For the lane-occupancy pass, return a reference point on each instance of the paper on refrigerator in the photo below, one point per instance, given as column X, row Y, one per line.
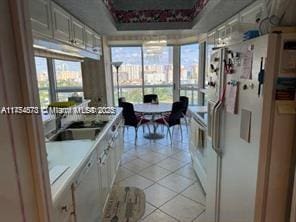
column 231, row 95
column 247, row 64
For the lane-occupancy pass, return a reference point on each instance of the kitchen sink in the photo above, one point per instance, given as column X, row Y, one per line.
column 76, row 134
column 87, row 124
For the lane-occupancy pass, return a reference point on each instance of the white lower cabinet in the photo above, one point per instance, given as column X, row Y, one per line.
column 104, row 172
column 108, row 163
column 198, row 150
column 64, row 207
column 86, row 190
column 85, row 199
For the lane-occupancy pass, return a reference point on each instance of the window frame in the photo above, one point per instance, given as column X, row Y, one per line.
column 53, row 89
column 200, row 93
column 50, row 99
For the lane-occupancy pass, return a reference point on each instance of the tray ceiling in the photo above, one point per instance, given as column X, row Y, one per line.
column 96, row 15
column 153, row 4
column 152, row 11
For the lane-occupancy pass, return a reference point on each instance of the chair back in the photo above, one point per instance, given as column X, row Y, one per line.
column 121, row 100
column 128, row 113
column 176, row 113
column 149, row 97
column 185, row 101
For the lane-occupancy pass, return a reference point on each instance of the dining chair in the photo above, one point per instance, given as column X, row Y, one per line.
column 121, row 100
column 148, row 98
column 173, row 119
column 130, row 118
column 185, row 101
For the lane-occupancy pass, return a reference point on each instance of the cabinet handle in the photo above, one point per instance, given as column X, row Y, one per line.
column 100, row 160
column 95, row 50
column 64, row 208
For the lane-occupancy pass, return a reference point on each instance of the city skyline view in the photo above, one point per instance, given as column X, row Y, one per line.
column 156, row 73
column 157, row 68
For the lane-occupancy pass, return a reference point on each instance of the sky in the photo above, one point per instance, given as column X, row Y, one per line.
column 41, row 65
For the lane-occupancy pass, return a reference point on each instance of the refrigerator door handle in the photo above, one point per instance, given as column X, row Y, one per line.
column 216, row 127
column 213, row 126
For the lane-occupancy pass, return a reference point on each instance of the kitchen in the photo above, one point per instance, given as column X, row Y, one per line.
column 44, row 180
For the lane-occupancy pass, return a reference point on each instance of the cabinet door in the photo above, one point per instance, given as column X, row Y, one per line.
column 63, row 207
column 104, row 179
column 89, row 39
column 61, row 24
column 119, row 143
column 97, row 45
column 113, row 164
column 87, row 192
column 78, row 33
column 41, row 18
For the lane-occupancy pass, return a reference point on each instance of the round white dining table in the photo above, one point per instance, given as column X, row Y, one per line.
column 153, row 110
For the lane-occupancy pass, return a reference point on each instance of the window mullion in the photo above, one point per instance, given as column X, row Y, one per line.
column 142, row 64
column 52, row 79
column 202, row 69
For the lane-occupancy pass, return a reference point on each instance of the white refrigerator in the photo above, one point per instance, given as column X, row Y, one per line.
column 234, row 131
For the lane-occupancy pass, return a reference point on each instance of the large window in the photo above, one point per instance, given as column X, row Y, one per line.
column 68, row 79
column 189, row 72
column 43, row 81
column 150, row 70
column 130, row 73
column 158, row 73
column 65, row 80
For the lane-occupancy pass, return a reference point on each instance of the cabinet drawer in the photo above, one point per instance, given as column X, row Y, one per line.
column 63, row 208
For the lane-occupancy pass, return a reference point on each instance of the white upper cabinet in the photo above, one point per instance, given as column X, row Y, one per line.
column 97, row 44
column 61, row 24
column 78, row 33
column 89, row 39
column 52, row 23
column 41, row 18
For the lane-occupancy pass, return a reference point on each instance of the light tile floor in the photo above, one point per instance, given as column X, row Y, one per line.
column 164, row 171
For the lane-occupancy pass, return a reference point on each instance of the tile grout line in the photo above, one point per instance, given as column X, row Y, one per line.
column 170, row 156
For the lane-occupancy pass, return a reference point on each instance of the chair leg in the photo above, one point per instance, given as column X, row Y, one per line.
column 181, row 131
column 186, row 122
column 148, row 128
column 169, row 131
column 136, row 134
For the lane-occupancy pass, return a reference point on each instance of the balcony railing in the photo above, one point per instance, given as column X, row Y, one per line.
column 133, row 93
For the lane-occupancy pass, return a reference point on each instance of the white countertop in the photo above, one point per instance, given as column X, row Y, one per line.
column 72, row 154
column 67, row 153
